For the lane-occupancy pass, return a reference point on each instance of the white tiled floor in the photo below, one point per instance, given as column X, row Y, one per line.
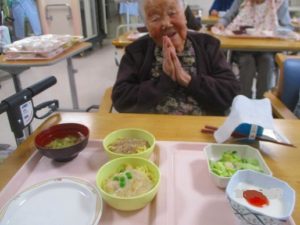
column 96, row 71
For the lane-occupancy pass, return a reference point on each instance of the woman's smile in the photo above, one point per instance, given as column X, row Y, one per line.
column 170, row 34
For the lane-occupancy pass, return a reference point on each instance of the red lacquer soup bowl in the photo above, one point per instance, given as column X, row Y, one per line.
column 62, row 142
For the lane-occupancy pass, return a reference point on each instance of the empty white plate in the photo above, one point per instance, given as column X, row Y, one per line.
column 59, row 201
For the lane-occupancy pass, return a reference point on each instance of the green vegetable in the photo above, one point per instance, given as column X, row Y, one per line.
column 122, row 184
column 116, row 178
column 122, row 179
column 128, row 175
column 67, row 141
column 231, row 162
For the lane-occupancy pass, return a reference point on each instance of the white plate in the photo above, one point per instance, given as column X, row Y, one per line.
column 59, row 201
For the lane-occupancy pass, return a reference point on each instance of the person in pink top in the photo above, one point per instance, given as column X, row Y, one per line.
column 265, row 16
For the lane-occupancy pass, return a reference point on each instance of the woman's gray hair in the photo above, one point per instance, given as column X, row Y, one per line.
column 141, row 3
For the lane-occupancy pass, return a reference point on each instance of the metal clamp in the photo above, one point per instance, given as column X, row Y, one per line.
column 48, row 6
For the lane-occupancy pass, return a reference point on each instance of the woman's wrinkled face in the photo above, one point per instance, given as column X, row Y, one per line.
column 166, row 18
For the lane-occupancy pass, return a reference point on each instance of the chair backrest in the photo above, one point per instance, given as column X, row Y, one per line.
column 291, row 83
column 106, row 105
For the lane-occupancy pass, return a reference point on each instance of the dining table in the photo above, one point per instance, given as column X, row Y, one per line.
column 236, row 43
column 256, row 44
column 209, row 20
column 231, row 43
column 282, row 160
column 15, row 67
column 261, row 44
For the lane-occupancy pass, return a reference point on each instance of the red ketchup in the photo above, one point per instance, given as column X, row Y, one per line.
column 255, row 198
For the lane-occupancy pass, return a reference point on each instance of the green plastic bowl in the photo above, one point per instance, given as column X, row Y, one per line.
column 129, row 133
column 129, row 203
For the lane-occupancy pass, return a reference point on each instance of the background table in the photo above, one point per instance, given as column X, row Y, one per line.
column 15, row 68
column 237, row 43
column 258, row 44
column 282, row 160
column 209, row 20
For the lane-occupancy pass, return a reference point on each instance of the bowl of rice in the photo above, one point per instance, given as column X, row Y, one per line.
column 128, row 183
column 129, row 142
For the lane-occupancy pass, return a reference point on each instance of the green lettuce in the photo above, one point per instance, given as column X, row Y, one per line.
column 231, row 162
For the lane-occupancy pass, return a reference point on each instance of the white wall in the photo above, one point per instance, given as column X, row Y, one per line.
column 204, row 4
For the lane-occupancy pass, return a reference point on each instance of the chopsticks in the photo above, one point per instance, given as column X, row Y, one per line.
column 211, row 129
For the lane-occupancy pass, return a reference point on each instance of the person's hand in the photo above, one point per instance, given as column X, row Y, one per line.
column 214, row 12
column 182, row 77
column 172, row 66
column 220, row 26
column 168, row 65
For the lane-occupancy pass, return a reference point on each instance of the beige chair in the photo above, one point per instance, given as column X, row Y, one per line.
column 276, row 96
column 106, row 105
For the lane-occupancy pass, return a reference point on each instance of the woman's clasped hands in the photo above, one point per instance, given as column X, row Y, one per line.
column 171, row 64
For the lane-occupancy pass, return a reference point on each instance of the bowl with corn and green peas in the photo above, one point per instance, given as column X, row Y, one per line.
column 128, row 183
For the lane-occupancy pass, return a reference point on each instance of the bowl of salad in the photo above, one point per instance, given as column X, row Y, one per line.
column 128, row 183
column 224, row 160
column 129, row 142
column 62, row 142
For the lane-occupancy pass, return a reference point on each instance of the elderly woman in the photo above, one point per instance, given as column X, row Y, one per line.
column 171, row 70
column 263, row 15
